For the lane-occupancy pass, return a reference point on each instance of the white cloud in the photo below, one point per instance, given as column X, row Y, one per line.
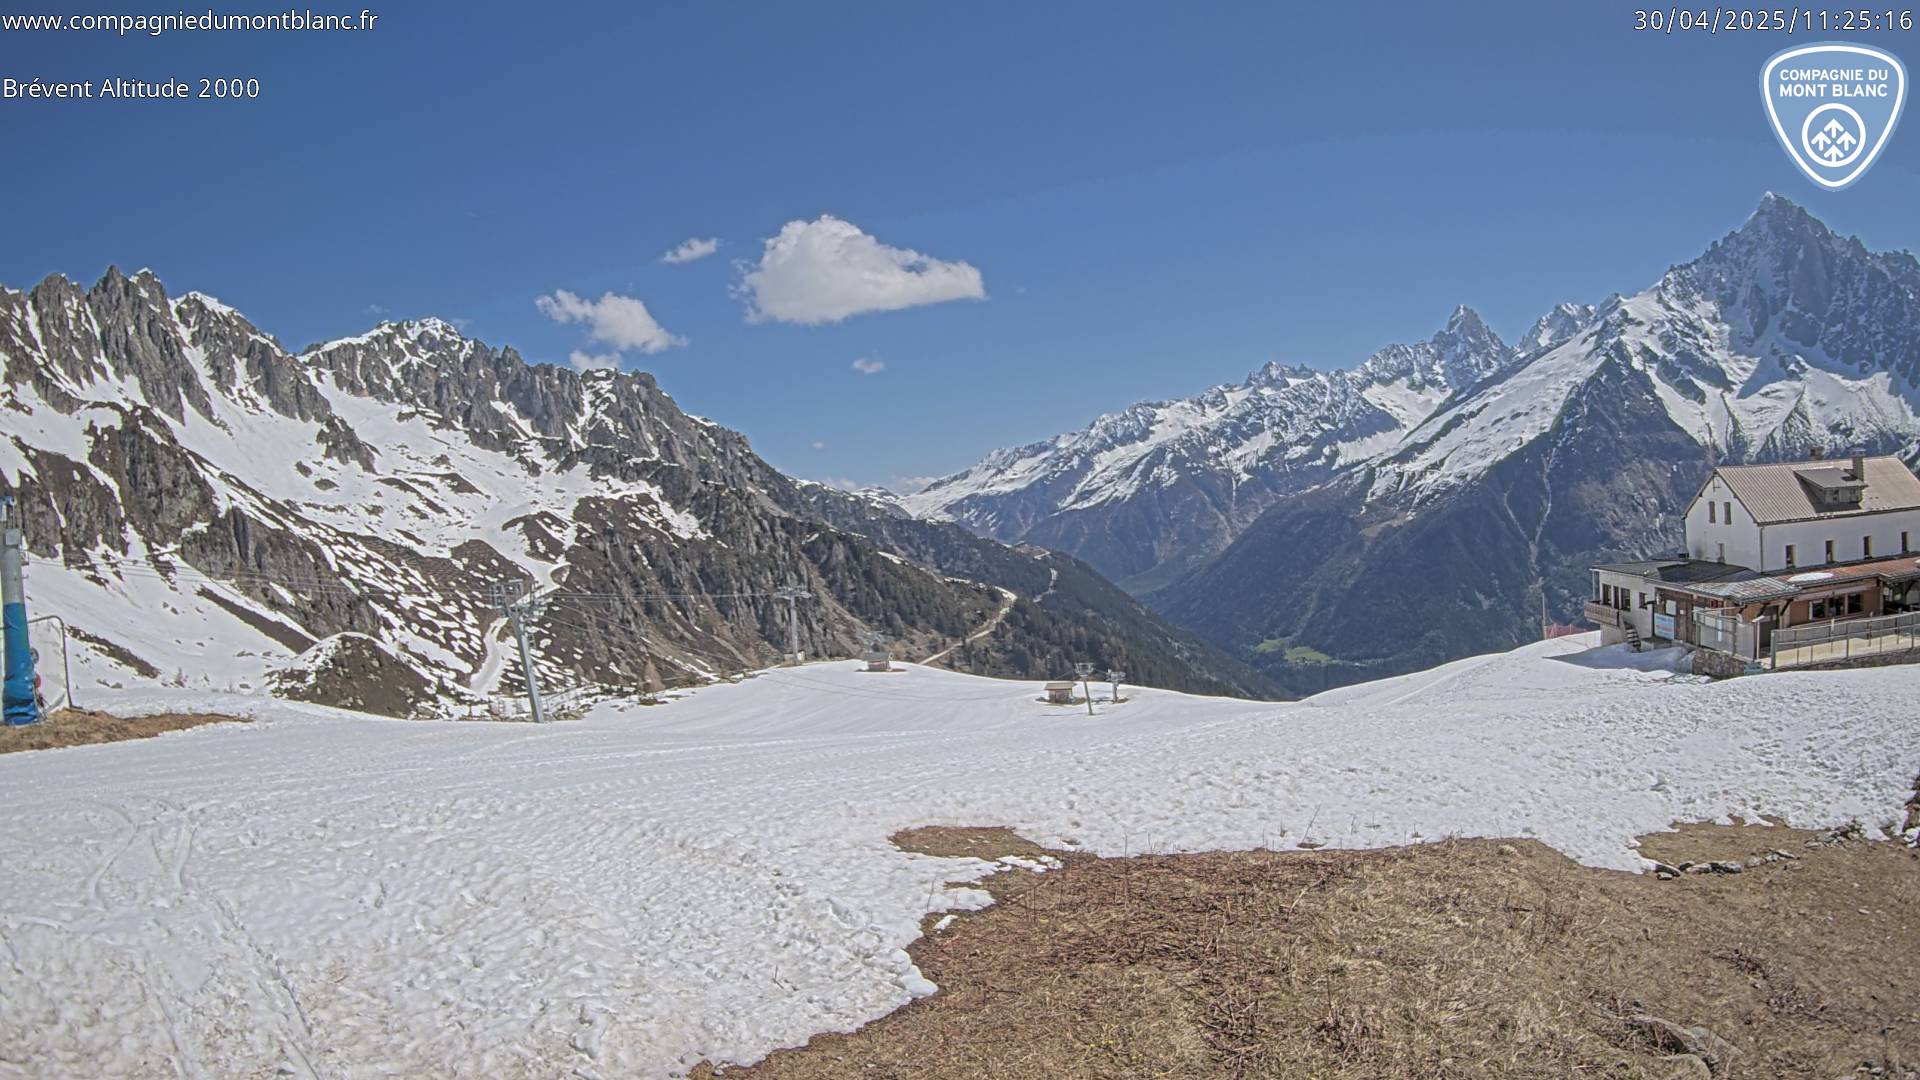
column 867, row 366
column 823, row 271
column 691, row 249
column 620, row 321
column 910, row 485
column 586, row 361
column 818, row 445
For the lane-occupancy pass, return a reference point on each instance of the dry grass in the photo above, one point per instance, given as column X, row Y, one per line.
column 79, row 727
column 950, row 842
column 1464, row 959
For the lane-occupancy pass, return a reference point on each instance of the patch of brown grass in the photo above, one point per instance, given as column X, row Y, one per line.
column 1459, row 959
column 80, row 727
column 953, row 841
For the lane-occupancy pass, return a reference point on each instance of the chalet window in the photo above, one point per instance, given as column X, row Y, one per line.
column 1606, row 595
column 1866, row 547
column 1790, row 562
column 1726, row 512
column 1720, row 552
column 1643, row 599
column 1834, row 608
column 1829, row 551
column 1713, row 514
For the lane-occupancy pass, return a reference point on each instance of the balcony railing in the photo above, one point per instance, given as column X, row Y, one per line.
column 1595, row 611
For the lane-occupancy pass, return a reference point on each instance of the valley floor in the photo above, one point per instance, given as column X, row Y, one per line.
column 320, row 893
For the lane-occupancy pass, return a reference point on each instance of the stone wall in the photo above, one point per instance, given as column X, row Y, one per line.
column 1720, row 665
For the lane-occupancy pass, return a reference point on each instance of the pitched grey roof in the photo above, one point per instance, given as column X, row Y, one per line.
column 1752, row 590
column 1775, row 493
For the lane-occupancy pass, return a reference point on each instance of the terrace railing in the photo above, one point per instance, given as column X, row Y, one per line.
column 1843, row 639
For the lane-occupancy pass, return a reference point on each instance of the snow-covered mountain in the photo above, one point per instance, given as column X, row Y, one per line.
column 1783, row 336
column 1423, row 504
column 203, row 505
column 1154, row 489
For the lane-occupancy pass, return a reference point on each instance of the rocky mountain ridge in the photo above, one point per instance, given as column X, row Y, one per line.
column 1477, row 509
column 204, row 503
column 1155, row 489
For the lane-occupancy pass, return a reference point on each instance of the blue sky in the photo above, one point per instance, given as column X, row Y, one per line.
column 1154, row 198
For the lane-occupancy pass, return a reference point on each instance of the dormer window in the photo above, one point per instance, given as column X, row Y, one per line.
column 1832, row 488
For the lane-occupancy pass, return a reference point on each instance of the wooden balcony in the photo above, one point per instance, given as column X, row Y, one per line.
column 1597, row 612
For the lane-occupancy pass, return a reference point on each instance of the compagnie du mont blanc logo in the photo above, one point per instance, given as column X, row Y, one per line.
column 1834, row 107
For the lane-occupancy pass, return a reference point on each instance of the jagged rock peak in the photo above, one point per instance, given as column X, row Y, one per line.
column 1561, row 324
column 1777, row 212
column 1467, row 345
column 1275, row 373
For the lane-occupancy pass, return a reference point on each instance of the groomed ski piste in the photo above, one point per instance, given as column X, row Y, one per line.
column 319, row 893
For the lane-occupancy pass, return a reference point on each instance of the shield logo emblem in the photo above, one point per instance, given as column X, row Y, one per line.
column 1834, row 107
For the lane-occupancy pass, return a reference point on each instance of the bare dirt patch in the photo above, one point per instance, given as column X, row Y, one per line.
column 952, row 841
column 1465, row 958
column 80, row 727
column 1701, row 842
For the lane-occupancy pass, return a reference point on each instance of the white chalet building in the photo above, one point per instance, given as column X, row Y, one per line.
column 1772, row 546
column 1808, row 513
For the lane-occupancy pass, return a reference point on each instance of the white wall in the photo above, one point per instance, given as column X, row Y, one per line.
column 1810, row 537
column 1641, row 617
column 1741, row 536
column 1765, row 548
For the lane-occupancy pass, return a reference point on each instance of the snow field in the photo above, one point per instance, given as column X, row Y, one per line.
column 332, row 895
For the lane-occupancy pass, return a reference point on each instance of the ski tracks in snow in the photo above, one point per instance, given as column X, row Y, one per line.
column 626, row 894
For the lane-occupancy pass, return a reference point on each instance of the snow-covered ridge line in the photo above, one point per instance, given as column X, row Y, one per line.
column 338, row 453
column 1782, row 336
column 1278, row 416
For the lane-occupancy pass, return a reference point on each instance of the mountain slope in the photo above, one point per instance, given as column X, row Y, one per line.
column 1145, row 493
column 204, row 504
column 1783, row 337
column 1423, row 504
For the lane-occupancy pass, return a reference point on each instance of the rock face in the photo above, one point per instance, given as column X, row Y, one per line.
column 1354, row 545
column 353, row 671
column 207, row 503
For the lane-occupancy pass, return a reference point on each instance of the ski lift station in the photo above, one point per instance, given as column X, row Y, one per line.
column 1794, row 562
